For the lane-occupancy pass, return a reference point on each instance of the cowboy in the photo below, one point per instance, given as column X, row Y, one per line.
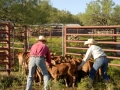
column 100, row 58
column 37, row 53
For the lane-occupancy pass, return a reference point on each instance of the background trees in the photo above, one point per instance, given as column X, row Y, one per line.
column 98, row 12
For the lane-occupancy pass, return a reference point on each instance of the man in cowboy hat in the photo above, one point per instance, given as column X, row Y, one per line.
column 37, row 53
column 99, row 57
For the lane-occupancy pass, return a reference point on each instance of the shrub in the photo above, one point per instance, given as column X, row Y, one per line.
column 56, row 85
column 9, row 81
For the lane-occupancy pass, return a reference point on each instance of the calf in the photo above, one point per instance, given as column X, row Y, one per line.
column 85, row 70
column 38, row 77
column 58, row 71
column 64, row 70
column 21, row 60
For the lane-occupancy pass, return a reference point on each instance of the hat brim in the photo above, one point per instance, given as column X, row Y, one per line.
column 41, row 39
column 87, row 42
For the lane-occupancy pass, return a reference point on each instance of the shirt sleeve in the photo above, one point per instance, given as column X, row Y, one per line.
column 48, row 57
column 88, row 54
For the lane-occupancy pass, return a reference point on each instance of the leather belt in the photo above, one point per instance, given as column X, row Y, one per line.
column 37, row 56
column 100, row 57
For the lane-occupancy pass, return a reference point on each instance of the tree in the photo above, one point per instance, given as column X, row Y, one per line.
column 116, row 15
column 27, row 12
column 98, row 13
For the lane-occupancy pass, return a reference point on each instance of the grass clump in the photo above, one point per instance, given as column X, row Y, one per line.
column 98, row 85
column 6, row 82
column 58, row 85
column 15, row 80
column 84, row 84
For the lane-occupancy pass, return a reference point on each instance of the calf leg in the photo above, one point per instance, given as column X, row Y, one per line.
column 39, row 75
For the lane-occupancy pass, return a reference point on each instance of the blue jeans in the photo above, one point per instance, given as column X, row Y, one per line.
column 102, row 63
column 37, row 62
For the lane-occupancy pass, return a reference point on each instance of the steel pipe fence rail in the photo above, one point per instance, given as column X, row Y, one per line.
column 104, row 39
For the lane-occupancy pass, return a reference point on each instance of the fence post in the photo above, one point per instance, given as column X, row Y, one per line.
column 25, row 38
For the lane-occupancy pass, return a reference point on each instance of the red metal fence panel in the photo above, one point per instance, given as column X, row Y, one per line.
column 108, row 38
column 5, row 46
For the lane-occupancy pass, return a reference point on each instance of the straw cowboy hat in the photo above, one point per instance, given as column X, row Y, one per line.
column 41, row 38
column 90, row 41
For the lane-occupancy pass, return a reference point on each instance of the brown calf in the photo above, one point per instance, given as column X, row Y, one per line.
column 38, row 77
column 22, row 56
column 59, row 71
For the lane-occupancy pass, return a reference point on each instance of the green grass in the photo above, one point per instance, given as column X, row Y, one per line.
column 17, row 81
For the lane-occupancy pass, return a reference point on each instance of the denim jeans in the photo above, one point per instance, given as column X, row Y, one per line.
column 37, row 62
column 102, row 63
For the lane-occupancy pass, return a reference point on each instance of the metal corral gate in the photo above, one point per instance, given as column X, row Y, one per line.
column 52, row 32
column 20, row 38
column 108, row 38
column 5, row 58
column 7, row 41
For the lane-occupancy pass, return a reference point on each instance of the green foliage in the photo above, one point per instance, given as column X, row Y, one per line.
column 100, row 12
column 114, row 84
column 99, row 85
column 32, row 40
column 6, row 82
column 113, row 70
column 16, row 80
column 28, row 12
column 84, row 84
column 55, row 44
column 56, row 85
column 116, row 11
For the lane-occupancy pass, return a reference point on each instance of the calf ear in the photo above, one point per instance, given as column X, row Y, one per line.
column 54, row 53
column 53, row 62
column 51, row 53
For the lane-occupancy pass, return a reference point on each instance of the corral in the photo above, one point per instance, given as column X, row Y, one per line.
column 71, row 42
column 106, row 35
column 108, row 38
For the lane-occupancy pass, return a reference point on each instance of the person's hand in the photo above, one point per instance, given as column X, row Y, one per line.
column 49, row 66
column 79, row 68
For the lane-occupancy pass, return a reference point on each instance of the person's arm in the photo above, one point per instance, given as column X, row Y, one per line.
column 48, row 58
column 86, row 58
column 80, row 66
